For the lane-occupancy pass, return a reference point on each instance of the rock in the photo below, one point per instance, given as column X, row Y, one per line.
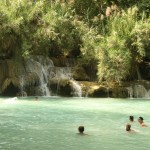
column 120, row 92
column 99, row 92
column 60, row 87
column 79, row 74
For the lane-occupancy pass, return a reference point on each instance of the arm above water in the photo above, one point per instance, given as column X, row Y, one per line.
column 144, row 125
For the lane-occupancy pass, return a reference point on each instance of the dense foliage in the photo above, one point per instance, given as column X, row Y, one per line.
column 114, row 35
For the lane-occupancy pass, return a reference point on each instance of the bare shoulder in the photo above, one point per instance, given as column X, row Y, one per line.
column 132, row 131
column 144, row 125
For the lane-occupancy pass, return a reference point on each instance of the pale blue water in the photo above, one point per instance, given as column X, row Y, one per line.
column 51, row 124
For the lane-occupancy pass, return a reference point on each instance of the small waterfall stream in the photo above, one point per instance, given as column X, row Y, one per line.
column 77, row 91
column 139, row 90
column 43, row 82
column 22, row 86
column 40, row 67
column 65, row 73
column 138, row 73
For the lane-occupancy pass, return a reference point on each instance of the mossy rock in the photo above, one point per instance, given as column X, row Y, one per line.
column 79, row 74
column 60, row 87
column 94, row 89
column 120, row 92
column 99, row 92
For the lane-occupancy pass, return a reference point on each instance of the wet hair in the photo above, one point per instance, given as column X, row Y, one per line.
column 131, row 118
column 128, row 127
column 141, row 118
column 81, row 129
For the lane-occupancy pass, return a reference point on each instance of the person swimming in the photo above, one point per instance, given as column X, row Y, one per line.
column 131, row 118
column 128, row 128
column 81, row 130
column 141, row 122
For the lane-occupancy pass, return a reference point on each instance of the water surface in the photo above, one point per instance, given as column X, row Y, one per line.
column 51, row 124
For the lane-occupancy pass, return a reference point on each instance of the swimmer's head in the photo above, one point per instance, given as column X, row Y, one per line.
column 81, row 129
column 128, row 127
column 131, row 118
column 140, row 120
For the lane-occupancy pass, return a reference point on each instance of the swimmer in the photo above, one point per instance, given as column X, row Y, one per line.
column 141, row 122
column 128, row 128
column 81, row 130
column 131, row 118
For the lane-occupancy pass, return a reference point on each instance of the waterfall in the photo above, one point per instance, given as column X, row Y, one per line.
column 40, row 66
column 139, row 90
column 138, row 73
column 60, row 73
column 63, row 73
column 22, row 86
column 43, row 82
column 130, row 92
column 44, row 69
column 45, row 64
column 77, row 91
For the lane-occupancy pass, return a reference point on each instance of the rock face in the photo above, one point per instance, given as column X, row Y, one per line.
column 119, row 92
column 93, row 89
column 28, row 76
column 36, row 76
column 100, row 92
column 39, row 76
column 60, row 87
column 65, row 87
column 79, row 74
column 136, row 89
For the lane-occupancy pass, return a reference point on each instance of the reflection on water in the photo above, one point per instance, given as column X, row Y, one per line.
column 52, row 123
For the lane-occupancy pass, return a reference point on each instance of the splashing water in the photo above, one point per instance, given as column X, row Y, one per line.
column 77, row 91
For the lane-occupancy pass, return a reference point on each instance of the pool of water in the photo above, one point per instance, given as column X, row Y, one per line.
column 51, row 124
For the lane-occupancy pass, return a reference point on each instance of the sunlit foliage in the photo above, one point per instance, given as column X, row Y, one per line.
column 112, row 34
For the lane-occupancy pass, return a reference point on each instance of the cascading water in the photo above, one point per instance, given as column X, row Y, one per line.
column 64, row 73
column 140, row 90
column 138, row 73
column 22, row 86
column 40, row 67
column 45, row 65
column 46, row 72
column 44, row 81
column 77, row 91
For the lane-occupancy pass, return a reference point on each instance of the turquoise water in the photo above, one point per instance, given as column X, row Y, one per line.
column 51, row 124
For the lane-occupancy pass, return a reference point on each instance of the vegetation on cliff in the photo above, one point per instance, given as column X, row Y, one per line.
column 112, row 35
